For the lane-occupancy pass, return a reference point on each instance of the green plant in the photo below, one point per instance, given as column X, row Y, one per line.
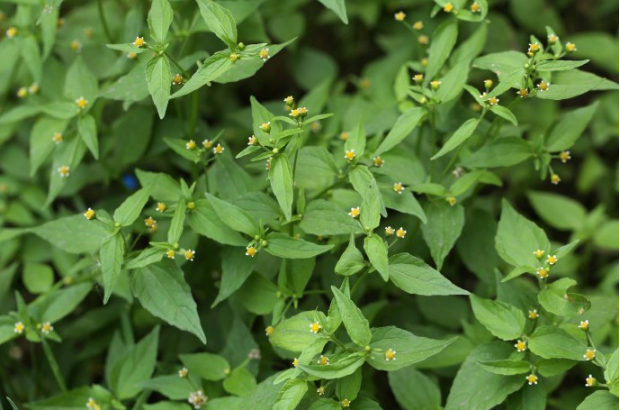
column 357, row 247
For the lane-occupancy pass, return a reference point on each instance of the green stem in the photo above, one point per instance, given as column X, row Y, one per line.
column 433, row 142
column 54, row 365
column 357, row 283
column 173, row 61
column 141, row 400
column 104, row 23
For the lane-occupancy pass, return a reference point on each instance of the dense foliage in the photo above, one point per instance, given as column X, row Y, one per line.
column 298, row 204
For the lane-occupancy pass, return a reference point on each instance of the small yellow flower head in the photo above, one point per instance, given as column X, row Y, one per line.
column 448, row 8
column 523, row 92
column 250, row 251
column 344, row 135
column 423, row 39
column 345, row 403
column 264, row 54
column 161, row 207
column 451, row 200
column 218, row 149
column 46, row 328
column 289, row 101
column 177, row 79
column 303, row 112
column 60, row 23
column 488, row 83
column 424, row 61
column 190, row 145
column 378, row 162
column 389, row 231
column 197, row 399
column 189, row 255
column 534, row 48
column 295, row 362
column 316, row 126
column 183, row 372
column 555, row 179
column 531, row 379
column 355, row 212
column 315, row 327
column 398, row 187
column 22, row 92
column 584, row 324
column 269, row 330
column 321, row 391
column 493, row 101
column 234, row 57
column 418, row 78
column 91, row 404
column 191, row 205
column 34, row 88
column 19, row 328
column 590, row 354
column 533, row 314
column 150, row 222
column 138, row 42
column 475, row 107
column 552, row 259
column 543, row 86
column 76, row 46
column 88, row 32
column 11, row 32
column 565, row 156
column 64, row 171
column 475, row 7
column 294, row 113
column 570, row 48
column 400, row 16
column 390, row 354
column 400, row 233
column 81, row 103
column 131, row 55
column 539, row 253
column 418, row 25
column 266, row 127
column 552, row 38
column 521, row 346
column 89, row 214
column 590, row 381
column 207, row 144
column 252, row 140
column 350, row 155
column 542, row 273
column 323, row 360
column 435, row 85
column 268, row 163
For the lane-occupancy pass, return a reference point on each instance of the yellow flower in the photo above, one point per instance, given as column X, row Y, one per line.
column 323, row 360
column 552, row 38
column 295, row 362
column 565, row 156
column 88, row 32
column 493, row 101
column 400, row 16
column 321, row 391
column 315, row 327
column 555, row 179
column 355, row 212
column 34, row 88
column 207, row 144
column 218, row 149
column 378, row 162
column 289, row 101
column 543, row 86
column 252, row 140
column 64, row 171
column 91, row 404
column 435, row 85
column 475, row 7
column 170, row 253
column 19, row 328
column 398, row 187
column 424, row 61
column 138, row 42
column 81, row 103
column 191, row 205
column 400, row 232
column 390, row 354
column 590, row 381
column 177, row 79
column 89, row 214
column 250, row 251
column 521, row 346
column 76, row 46
column 552, row 259
column 183, row 372
column 590, row 354
column 190, row 145
column 266, row 127
column 539, row 253
column 189, row 255
column 22, row 92
column 531, row 379
column 570, row 48
column 488, row 83
column 294, row 113
column 451, row 200
column 303, row 112
column 418, row 25
column 423, row 39
column 364, row 83
column 234, row 57
column 60, row 23
column 264, row 54
column 475, row 107
column 150, row 222
column 11, row 32
column 523, row 92
column 533, row 314
column 161, row 207
column 131, row 55
column 197, row 399
column 46, row 328
column 418, row 78
column 269, row 330
column 389, row 231
column 534, row 48
column 542, row 273
column 350, row 155
column 448, row 7
column 344, row 135
column 345, row 403
column 584, row 325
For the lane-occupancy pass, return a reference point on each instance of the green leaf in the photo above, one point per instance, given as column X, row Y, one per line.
column 554, row 367
column 258, row 295
column 205, row 221
column 340, row 365
column 409, row 348
column 354, row 321
column 326, row 218
column 56, row 305
column 281, row 178
column 41, row 143
column 111, row 259
column 403, row 202
column 569, row 128
column 81, row 82
column 501, row 319
column 37, row 277
column 338, row 7
column 349, row 386
column 560, row 65
column 284, row 246
column 159, row 19
column 235, row 271
column 556, row 299
column 454, row 80
column 291, row 394
column 402, row 128
column 233, row 216
column 611, row 372
column 444, row 227
column 504, row 113
column 220, row 21
column 176, row 225
column 72, row 399
column 444, row 39
column 31, row 55
column 550, row 342
column 507, row 367
column 131, row 207
column 207, row 366
column 572, row 83
column 240, row 382
column 503, row 152
column 293, row 334
column 414, row 390
column 377, row 253
column 162, row 290
column 351, row 261
column 87, row 127
column 213, row 67
column 559, row 211
column 370, row 211
column 599, row 400
column 73, row 234
column 417, row 278
column 158, row 78
column 357, row 140
column 461, row 135
column 145, row 258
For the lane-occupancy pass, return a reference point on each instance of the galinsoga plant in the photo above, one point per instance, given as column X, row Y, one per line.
column 266, row 254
